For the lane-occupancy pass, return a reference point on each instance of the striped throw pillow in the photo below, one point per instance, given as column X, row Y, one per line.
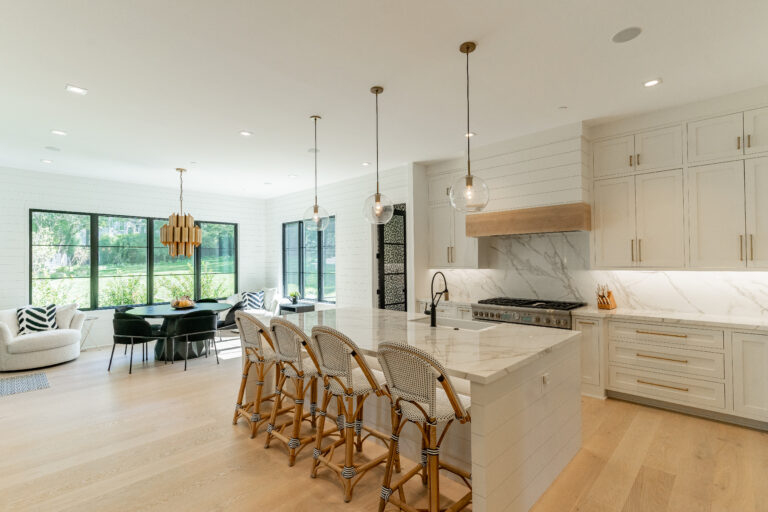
column 253, row 300
column 33, row 319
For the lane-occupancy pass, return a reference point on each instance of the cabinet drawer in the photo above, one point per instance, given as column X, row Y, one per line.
column 681, row 390
column 670, row 359
column 667, row 335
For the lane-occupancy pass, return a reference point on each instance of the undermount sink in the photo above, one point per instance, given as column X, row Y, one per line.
column 453, row 323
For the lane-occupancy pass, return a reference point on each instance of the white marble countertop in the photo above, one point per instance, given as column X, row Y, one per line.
column 478, row 356
column 752, row 323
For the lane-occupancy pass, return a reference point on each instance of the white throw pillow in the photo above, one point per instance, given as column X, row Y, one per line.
column 64, row 315
column 36, row 319
column 270, row 298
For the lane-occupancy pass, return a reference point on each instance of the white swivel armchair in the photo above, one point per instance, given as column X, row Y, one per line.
column 40, row 349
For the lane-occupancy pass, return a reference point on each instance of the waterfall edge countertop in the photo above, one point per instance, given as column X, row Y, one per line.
column 481, row 356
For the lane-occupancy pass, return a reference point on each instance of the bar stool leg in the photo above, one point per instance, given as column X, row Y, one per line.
column 359, row 423
column 256, row 416
column 386, row 491
column 294, row 443
column 349, row 448
column 278, row 403
column 320, row 431
column 433, row 469
column 241, row 393
column 313, row 402
column 424, row 478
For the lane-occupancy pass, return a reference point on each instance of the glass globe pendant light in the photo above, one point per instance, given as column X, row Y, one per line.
column 378, row 208
column 469, row 193
column 315, row 217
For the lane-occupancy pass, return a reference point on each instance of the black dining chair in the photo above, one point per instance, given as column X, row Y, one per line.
column 131, row 330
column 229, row 324
column 194, row 327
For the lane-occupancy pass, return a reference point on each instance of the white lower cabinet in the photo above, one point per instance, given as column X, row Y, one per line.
column 750, row 375
column 665, row 386
column 592, row 339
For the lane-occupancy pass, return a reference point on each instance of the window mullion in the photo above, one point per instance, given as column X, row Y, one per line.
column 94, row 261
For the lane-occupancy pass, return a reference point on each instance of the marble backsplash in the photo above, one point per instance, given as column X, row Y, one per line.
column 556, row 266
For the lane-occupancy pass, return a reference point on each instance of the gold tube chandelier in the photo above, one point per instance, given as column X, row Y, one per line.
column 181, row 235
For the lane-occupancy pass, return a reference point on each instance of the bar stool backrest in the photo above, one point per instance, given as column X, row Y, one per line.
column 335, row 353
column 251, row 331
column 289, row 341
column 413, row 375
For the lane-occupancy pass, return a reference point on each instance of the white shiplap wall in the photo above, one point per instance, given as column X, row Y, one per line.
column 551, row 167
column 22, row 190
column 354, row 236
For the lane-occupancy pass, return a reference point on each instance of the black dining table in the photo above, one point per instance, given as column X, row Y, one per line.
column 170, row 316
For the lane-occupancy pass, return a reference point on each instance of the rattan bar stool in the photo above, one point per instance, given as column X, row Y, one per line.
column 350, row 384
column 412, row 378
column 260, row 356
column 299, row 365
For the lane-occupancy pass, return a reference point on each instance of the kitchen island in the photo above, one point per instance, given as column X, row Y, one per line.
column 523, row 383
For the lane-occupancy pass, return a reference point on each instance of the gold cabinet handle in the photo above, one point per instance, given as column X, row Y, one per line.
column 684, row 361
column 586, row 322
column 751, row 248
column 630, row 160
column 448, row 254
column 637, row 159
column 632, row 249
column 741, row 247
column 672, row 335
column 738, row 142
column 640, row 381
column 639, row 249
column 749, row 141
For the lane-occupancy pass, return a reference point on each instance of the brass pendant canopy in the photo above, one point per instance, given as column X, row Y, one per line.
column 181, row 235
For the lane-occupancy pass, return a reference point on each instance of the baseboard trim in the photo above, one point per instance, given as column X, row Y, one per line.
column 693, row 411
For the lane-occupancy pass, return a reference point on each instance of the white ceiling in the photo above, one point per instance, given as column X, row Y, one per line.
column 173, row 82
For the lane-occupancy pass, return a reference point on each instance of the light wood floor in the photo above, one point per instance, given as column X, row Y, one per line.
column 162, row 439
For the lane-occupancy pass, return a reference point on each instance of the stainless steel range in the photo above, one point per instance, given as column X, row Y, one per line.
column 545, row 313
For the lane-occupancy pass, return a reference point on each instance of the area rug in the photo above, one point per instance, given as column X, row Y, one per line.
column 32, row 382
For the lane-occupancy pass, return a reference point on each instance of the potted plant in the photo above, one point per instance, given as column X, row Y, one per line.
column 294, row 297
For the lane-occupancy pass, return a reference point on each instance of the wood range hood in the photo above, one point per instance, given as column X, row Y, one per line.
column 543, row 219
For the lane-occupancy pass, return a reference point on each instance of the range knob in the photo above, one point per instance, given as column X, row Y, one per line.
column 548, row 320
column 537, row 319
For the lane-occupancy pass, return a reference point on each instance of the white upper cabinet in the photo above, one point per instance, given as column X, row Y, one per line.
column 716, row 216
column 464, row 250
column 756, row 190
column 440, row 235
column 756, row 131
column 660, row 219
column 750, row 375
column 654, row 150
column 614, row 216
column 659, row 149
column 614, row 156
column 716, row 138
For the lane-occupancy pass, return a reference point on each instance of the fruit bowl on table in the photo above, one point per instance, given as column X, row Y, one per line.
column 182, row 304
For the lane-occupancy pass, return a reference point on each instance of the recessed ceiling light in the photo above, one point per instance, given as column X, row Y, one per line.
column 563, row 107
column 46, row 161
column 192, row 163
column 470, row 134
column 366, row 164
column 292, row 176
column 58, row 132
column 52, row 148
column 76, row 90
column 245, row 133
column 267, row 182
column 628, row 34
column 651, row 83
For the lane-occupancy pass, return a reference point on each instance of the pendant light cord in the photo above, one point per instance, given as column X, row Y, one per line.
column 181, row 192
column 377, row 142
column 469, row 172
column 315, row 160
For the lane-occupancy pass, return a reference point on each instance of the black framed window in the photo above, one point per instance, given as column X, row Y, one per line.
column 309, row 261
column 103, row 261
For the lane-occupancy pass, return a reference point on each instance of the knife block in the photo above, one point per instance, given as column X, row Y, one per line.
column 611, row 302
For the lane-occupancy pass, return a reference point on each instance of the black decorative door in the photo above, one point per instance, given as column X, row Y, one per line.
column 391, row 258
